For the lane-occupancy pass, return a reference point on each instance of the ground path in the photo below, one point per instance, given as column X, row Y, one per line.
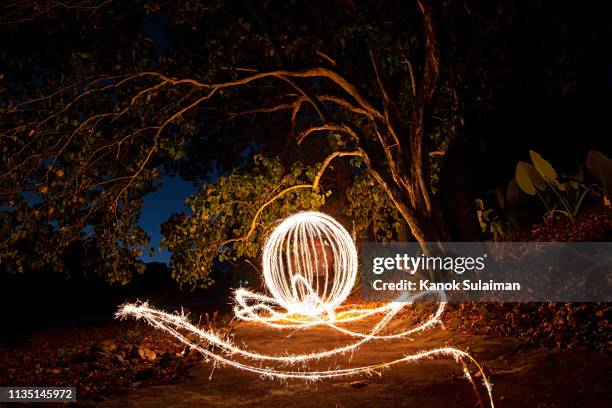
column 521, row 378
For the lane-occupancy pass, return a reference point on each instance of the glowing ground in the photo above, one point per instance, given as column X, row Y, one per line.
column 431, row 383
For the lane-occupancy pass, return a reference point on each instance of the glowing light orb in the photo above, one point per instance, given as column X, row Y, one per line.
column 309, row 263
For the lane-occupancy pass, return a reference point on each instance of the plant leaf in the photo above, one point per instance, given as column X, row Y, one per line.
column 523, row 179
column 513, row 193
column 543, row 167
column 599, row 167
column 538, row 181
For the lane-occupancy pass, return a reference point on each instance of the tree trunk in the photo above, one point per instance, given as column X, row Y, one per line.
column 457, row 202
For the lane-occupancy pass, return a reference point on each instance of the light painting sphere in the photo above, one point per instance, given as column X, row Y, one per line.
column 309, row 263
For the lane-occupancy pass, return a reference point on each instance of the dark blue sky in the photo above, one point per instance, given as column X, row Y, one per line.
column 158, row 206
column 170, row 197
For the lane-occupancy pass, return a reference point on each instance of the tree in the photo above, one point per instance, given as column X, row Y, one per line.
column 81, row 158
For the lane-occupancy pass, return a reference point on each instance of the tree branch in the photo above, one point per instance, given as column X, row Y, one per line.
column 313, row 186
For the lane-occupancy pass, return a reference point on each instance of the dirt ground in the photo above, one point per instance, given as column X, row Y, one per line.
column 521, row 377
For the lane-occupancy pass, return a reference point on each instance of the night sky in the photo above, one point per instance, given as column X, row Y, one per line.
column 158, row 206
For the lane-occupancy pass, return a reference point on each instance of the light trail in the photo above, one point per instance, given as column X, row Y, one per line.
column 309, row 263
column 309, row 266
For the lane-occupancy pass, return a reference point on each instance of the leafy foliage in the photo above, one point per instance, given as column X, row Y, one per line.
column 79, row 154
column 376, row 217
column 225, row 209
column 98, row 105
column 564, row 195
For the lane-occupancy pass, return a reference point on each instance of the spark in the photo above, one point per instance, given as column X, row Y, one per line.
column 309, row 267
